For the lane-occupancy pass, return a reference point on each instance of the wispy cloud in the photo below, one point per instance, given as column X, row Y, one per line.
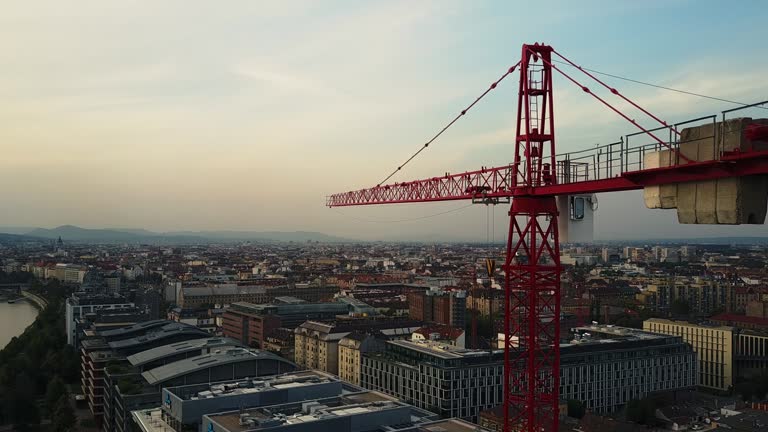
column 142, row 110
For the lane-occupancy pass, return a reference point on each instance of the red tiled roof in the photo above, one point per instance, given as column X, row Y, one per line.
column 446, row 332
column 726, row 317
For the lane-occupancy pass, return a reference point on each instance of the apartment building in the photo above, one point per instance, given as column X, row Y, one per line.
column 317, row 343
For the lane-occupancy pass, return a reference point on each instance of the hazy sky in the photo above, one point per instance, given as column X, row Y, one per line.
column 196, row 115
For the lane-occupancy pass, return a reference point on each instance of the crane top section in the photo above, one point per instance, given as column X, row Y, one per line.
column 538, row 170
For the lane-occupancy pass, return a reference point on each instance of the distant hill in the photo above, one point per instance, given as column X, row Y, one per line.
column 267, row 236
column 131, row 235
column 17, row 238
column 71, row 232
column 15, row 229
column 696, row 240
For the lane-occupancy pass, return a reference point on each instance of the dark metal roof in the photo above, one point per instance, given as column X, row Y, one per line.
column 166, row 331
column 161, row 352
column 183, row 367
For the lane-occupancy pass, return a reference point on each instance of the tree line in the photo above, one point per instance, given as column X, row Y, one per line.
column 36, row 368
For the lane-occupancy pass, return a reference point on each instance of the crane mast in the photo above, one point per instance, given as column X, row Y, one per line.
column 532, row 260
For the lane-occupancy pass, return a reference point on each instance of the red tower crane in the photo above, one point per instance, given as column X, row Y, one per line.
column 532, row 181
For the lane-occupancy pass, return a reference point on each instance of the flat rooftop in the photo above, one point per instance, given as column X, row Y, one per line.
column 448, row 425
column 596, row 337
column 440, row 350
column 610, row 333
column 102, row 356
column 254, row 385
column 705, row 324
column 223, row 289
column 746, row 419
column 151, row 420
column 323, row 409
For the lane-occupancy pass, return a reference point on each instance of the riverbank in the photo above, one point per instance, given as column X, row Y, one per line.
column 15, row 318
column 38, row 301
column 32, row 361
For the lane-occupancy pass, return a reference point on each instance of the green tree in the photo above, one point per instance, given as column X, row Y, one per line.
column 633, row 411
column 575, row 409
column 56, row 389
column 63, row 416
column 642, row 411
column 680, row 307
column 21, row 411
column 37, row 365
column 746, row 389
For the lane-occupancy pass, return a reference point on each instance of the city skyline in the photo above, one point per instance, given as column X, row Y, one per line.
column 245, row 117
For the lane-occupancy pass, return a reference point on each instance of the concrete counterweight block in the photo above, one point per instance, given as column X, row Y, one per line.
column 736, row 200
column 696, row 200
column 741, row 200
column 660, row 196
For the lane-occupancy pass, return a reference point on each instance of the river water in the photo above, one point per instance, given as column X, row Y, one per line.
column 14, row 318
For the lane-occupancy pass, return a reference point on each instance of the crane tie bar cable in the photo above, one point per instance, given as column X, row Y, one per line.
column 590, row 92
column 461, row 114
column 617, row 93
column 656, row 85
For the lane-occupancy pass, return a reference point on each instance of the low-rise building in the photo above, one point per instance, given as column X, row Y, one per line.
column 317, row 343
column 351, row 350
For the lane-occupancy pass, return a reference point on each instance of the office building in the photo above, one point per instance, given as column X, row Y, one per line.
column 354, row 412
column 604, row 367
column 182, row 408
column 302, row 401
column 129, row 390
column 447, row 380
column 713, row 345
